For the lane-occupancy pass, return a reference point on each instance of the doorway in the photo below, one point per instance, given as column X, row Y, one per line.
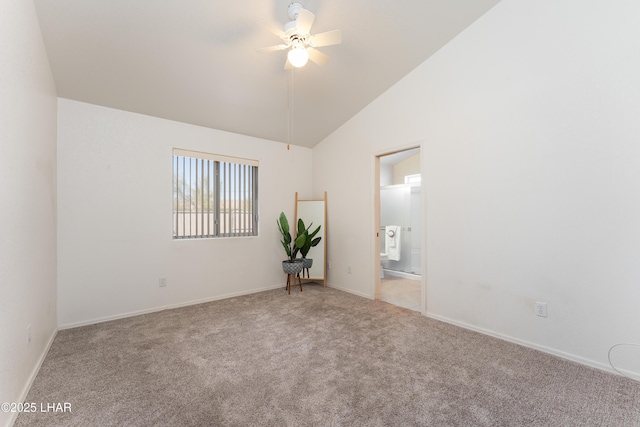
column 399, row 221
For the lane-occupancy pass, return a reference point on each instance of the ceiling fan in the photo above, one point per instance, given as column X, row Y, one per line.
column 296, row 37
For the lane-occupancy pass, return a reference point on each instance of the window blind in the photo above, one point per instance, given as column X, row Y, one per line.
column 214, row 195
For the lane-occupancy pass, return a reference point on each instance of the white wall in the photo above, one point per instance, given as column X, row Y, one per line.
column 28, row 200
column 529, row 128
column 115, row 215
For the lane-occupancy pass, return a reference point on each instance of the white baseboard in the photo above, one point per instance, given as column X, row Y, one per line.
column 340, row 288
column 544, row 349
column 32, row 377
column 165, row 307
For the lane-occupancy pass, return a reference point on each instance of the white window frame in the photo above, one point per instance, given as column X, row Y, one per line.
column 413, row 179
column 213, row 195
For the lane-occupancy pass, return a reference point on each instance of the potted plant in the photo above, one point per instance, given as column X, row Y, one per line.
column 291, row 246
column 310, row 242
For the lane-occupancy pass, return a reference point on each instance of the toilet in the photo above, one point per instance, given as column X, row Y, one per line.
column 383, row 258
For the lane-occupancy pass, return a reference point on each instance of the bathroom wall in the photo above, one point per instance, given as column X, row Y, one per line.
column 386, row 175
column 410, row 166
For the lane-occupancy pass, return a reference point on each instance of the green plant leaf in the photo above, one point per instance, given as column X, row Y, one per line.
column 300, row 240
column 283, row 227
column 284, row 223
column 312, row 235
column 287, row 249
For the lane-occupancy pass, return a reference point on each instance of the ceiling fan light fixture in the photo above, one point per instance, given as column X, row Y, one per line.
column 297, row 40
column 298, row 56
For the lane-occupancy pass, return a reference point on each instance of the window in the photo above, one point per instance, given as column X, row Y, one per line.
column 214, row 196
column 413, row 179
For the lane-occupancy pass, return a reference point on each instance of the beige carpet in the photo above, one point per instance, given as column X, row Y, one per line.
column 317, row 358
column 401, row 292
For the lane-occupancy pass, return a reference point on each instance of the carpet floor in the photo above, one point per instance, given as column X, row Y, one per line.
column 317, row 358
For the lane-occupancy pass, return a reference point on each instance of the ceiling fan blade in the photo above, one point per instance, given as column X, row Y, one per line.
column 317, row 56
column 326, row 39
column 272, row 28
column 304, row 21
column 272, row 48
column 287, row 65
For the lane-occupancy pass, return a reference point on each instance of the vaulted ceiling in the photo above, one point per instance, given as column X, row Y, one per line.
column 195, row 61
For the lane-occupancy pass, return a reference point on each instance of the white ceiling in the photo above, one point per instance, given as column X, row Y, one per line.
column 195, row 61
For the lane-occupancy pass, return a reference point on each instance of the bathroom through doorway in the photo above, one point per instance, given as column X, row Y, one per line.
column 399, row 219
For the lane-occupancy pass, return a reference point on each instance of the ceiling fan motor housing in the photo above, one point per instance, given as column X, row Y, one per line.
column 289, row 28
column 293, row 10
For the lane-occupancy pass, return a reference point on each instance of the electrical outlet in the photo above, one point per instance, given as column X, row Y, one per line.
column 328, row 265
column 29, row 334
column 349, row 269
column 163, row 282
column 540, row 309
